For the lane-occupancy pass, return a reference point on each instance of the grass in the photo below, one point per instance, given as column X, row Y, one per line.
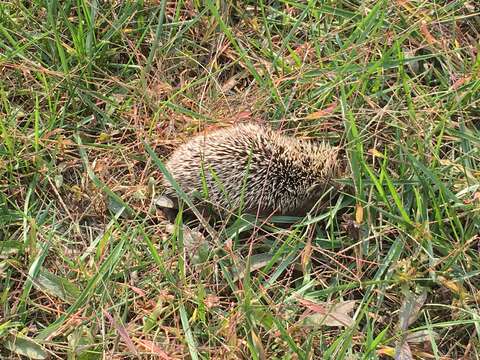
column 91, row 93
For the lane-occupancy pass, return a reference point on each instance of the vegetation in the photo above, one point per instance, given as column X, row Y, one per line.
column 95, row 94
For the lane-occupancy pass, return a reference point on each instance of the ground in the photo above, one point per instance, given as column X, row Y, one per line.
column 95, row 95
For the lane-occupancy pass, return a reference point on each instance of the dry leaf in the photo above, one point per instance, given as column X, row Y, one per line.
column 233, row 81
column 358, row 214
column 328, row 314
column 137, row 290
column 229, row 84
column 428, row 36
column 195, row 245
column 151, row 347
column 376, row 153
column 386, row 350
column 424, row 356
column 122, row 331
column 306, row 255
column 303, row 50
column 453, row 286
column 103, row 137
column 229, row 329
column 421, row 336
column 410, row 308
column 259, row 346
column 164, row 202
column 25, row 346
column 257, row 261
column 211, row 301
column 460, row 82
column 318, row 114
column 403, row 352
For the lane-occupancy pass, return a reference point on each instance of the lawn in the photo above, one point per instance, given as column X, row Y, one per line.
column 94, row 96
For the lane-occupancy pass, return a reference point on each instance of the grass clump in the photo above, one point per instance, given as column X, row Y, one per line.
column 90, row 270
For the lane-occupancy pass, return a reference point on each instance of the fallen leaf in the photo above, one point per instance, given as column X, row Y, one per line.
column 122, row 331
column 103, row 137
column 318, row 114
column 426, row 33
column 328, row 314
column 403, row 352
column 58, row 179
column 410, row 309
column 376, row 153
column 137, row 290
column 24, row 346
column 358, row 214
column 304, row 49
column 453, row 286
column 211, row 301
column 306, row 255
column 421, row 336
column 196, row 246
column 229, row 329
column 56, row 286
column 259, row 346
column 257, row 261
column 386, row 350
column 460, row 82
column 164, row 202
column 152, row 347
column 404, row 3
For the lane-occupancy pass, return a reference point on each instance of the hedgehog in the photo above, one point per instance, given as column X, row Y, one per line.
column 255, row 169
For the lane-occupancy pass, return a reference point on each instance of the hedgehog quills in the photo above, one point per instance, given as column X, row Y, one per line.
column 253, row 168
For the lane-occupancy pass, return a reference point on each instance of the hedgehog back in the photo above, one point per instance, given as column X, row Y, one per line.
column 254, row 167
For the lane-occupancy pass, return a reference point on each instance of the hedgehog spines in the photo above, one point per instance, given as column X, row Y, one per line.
column 263, row 169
